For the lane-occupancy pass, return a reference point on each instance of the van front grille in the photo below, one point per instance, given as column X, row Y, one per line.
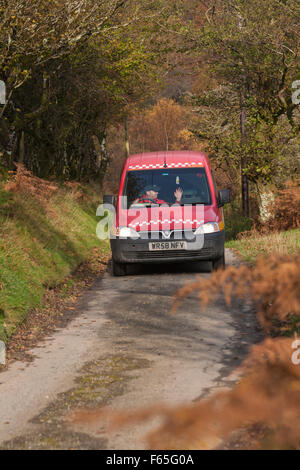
column 171, row 254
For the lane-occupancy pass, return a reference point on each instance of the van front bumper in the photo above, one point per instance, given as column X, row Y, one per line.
column 137, row 251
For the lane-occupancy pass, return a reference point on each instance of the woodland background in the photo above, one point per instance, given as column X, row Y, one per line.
column 88, row 81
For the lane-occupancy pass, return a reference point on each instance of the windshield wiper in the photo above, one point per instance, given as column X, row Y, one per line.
column 194, row 203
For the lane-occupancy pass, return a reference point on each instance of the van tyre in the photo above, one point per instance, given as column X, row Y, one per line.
column 218, row 263
column 119, row 269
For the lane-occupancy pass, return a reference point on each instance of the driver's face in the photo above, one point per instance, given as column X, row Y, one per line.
column 152, row 194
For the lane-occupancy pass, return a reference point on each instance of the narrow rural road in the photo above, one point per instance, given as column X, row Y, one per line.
column 123, row 350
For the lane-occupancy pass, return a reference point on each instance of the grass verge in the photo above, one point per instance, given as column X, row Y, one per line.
column 44, row 238
column 281, row 243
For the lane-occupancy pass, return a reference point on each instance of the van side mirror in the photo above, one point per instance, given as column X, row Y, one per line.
column 224, row 197
column 109, row 199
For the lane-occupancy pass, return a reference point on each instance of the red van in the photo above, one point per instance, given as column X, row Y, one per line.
column 168, row 210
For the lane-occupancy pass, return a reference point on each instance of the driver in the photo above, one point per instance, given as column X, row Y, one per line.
column 151, row 193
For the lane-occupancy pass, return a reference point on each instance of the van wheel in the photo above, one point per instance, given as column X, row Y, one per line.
column 218, row 263
column 118, row 269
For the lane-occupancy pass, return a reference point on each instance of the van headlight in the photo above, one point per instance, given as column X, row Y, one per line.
column 210, row 227
column 127, row 232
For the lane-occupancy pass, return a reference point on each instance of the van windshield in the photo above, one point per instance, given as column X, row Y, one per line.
column 157, row 187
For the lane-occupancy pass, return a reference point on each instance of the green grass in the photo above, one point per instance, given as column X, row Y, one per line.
column 40, row 244
column 235, row 221
column 283, row 243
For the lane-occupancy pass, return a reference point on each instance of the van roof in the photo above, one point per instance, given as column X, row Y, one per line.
column 173, row 159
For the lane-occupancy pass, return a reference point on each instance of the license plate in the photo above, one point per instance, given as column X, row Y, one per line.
column 162, row 246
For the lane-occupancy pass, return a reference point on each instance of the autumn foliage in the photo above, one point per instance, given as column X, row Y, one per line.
column 23, row 181
column 164, row 126
column 273, row 284
column 285, row 209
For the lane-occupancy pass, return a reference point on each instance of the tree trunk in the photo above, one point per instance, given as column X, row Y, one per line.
column 127, row 147
column 104, row 154
column 22, row 148
column 244, row 179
